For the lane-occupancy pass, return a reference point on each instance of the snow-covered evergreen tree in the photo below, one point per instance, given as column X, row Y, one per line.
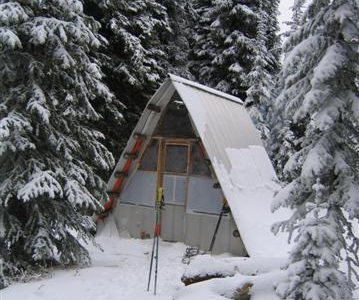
column 49, row 152
column 181, row 17
column 271, row 25
column 297, row 13
column 261, row 78
column 319, row 105
column 223, row 52
column 3, row 280
column 135, row 61
column 236, row 50
column 134, row 30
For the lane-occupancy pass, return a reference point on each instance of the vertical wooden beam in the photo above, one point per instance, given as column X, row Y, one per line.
column 160, row 162
column 160, row 168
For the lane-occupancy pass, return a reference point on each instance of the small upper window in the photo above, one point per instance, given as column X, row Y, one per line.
column 175, row 122
column 149, row 159
column 198, row 162
column 176, row 158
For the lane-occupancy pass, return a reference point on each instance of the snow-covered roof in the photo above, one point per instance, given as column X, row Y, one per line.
column 202, row 87
column 237, row 155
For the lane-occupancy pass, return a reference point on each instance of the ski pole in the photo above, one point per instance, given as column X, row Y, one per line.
column 157, row 232
column 224, row 210
column 160, row 203
column 156, row 269
column 149, row 274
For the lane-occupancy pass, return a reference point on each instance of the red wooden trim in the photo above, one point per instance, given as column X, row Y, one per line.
column 119, row 181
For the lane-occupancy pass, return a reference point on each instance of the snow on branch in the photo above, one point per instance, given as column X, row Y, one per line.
column 37, row 104
column 13, row 122
column 79, row 196
column 8, row 39
column 12, row 13
column 40, row 184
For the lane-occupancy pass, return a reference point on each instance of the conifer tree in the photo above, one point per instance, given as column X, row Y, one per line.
column 49, row 152
column 261, row 78
column 177, row 42
column 271, row 25
column 135, row 61
column 320, row 110
column 147, row 40
column 236, row 50
column 223, row 53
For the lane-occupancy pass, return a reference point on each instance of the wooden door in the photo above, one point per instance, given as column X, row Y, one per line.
column 174, row 180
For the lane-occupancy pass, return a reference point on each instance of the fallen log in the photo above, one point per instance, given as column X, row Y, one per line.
column 198, row 278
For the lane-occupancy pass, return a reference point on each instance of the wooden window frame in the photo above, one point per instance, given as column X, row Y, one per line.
column 176, row 142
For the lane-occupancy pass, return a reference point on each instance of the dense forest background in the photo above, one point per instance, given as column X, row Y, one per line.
column 76, row 75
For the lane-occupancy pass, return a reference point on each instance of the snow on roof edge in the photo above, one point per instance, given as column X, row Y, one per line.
column 204, row 88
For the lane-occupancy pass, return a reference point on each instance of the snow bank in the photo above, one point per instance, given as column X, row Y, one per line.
column 210, row 265
column 119, row 271
column 224, row 288
column 107, row 227
column 249, row 187
column 263, row 273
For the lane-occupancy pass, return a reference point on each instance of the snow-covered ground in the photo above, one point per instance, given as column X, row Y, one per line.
column 120, row 272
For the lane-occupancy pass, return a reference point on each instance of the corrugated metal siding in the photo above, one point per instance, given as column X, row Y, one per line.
column 221, row 123
column 229, row 135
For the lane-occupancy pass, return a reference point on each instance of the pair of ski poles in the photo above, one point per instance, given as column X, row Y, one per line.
column 156, row 236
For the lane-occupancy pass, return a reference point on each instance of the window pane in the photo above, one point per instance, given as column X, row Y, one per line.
column 198, row 164
column 149, row 160
column 180, row 190
column 202, row 197
column 176, row 159
column 168, row 188
column 174, row 189
column 141, row 189
column 175, row 122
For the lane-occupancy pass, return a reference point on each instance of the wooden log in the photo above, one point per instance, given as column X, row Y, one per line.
column 200, row 278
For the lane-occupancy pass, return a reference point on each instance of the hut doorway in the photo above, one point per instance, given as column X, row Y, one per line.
column 173, row 179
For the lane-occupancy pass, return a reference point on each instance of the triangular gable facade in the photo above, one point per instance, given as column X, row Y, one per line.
column 202, row 147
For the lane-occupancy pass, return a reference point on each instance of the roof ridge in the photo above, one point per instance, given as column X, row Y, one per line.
column 204, row 88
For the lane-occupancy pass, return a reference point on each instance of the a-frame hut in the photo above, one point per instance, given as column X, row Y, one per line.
column 201, row 146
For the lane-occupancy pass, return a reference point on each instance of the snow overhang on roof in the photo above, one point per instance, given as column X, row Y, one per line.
column 239, row 159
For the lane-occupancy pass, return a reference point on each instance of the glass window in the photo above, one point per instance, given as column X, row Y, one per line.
column 176, row 158
column 202, row 197
column 174, row 189
column 198, row 164
column 149, row 159
column 141, row 189
column 175, row 122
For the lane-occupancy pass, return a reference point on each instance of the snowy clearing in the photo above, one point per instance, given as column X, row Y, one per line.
column 121, row 272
